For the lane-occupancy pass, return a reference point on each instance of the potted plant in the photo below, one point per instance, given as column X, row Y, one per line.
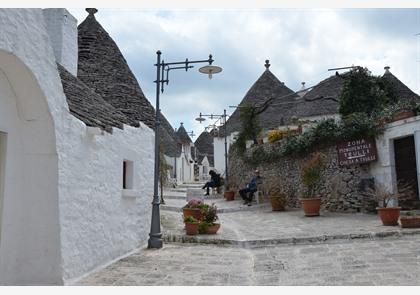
column 193, row 208
column 277, row 193
column 310, row 175
column 208, row 224
column 229, row 194
column 191, row 225
column 410, row 220
column 388, row 211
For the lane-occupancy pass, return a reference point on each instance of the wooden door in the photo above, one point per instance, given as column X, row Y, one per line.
column 406, row 168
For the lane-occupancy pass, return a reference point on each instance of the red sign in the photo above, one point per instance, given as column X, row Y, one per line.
column 355, row 152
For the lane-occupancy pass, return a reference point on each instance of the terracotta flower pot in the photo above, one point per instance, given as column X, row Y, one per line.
column 277, row 203
column 212, row 229
column 229, row 195
column 194, row 212
column 389, row 216
column 410, row 221
column 191, row 228
column 403, row 114
column 311, row 206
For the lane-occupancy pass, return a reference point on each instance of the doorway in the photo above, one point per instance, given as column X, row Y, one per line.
column 406, row 169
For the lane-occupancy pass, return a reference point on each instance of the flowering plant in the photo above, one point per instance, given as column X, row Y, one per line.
column 194, row 204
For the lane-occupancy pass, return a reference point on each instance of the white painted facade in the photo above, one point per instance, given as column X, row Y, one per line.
column 219, row 151
column 63, row 210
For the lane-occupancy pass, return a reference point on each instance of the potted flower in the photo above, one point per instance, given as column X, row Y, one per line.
column 277, row 193
column 191, row 225
column 410, row 220
column 388, row 211
column 193, row 208
column 208, row 224
column 310, row 175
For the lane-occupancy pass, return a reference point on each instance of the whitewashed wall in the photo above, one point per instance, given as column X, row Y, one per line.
column 219, row 151
column 384, row 169
column 64, row 212
column 29, row 243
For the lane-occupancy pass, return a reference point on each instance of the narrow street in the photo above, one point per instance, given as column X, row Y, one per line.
column 256, row 246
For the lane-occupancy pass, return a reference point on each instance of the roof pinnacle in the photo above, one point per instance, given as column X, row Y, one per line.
column 91, row 11
column 267, row 64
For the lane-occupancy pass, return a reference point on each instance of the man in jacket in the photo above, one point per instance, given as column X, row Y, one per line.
column 248, row 192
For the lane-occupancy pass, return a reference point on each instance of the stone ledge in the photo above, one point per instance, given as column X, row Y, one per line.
column 204, row 239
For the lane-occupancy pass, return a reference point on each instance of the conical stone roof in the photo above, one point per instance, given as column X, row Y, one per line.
column 102, row 67
column 265, row 88
column 183, row 136
column 205, row 147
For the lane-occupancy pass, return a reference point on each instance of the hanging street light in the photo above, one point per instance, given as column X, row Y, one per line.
column 155, row 236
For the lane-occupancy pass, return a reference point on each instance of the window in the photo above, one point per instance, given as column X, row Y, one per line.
column 128, row 171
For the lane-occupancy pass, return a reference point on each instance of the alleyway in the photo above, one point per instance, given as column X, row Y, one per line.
column 256, row 246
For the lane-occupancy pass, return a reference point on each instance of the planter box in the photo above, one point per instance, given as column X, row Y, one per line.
column 410, row 221
column 403, row 114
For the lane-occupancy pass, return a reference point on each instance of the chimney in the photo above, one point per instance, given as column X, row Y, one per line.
column 62, row 31
column 387, row 69
column 302, row 90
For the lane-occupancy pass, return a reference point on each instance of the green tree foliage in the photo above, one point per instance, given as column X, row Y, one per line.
column 363, row 92
column 250, row 126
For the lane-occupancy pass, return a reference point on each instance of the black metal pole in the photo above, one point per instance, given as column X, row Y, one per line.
column 226, row 154
column 155, row 236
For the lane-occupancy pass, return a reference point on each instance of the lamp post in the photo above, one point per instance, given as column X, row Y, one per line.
column 162, row 68
column 224, row 116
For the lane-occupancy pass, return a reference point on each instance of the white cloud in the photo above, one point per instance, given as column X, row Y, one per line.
column 301, row 45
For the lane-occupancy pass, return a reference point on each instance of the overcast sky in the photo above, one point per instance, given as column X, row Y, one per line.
column 301, row 45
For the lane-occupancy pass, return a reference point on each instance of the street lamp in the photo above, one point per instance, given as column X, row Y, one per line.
column 224, row 116
column 155, row 236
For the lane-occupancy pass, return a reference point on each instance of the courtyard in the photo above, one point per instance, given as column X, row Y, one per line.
column 256, row 246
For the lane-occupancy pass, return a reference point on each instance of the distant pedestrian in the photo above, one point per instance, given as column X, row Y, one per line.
column 248, row 192
column 214, row 182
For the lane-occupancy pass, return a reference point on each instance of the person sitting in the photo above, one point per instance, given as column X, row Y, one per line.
column 248, row 192
column 214, row 182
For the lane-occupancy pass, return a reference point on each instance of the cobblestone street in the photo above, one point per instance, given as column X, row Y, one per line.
column 383, row 262
column 260, row 247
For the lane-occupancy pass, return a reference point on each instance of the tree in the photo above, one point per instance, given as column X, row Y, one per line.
column 363, row 93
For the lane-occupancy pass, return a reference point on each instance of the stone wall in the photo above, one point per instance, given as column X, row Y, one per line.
column 341, row 185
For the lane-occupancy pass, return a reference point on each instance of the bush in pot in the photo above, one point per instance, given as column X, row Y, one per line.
column 278, row 194
column 310, row 175
column 387, row 209
column 208, row 224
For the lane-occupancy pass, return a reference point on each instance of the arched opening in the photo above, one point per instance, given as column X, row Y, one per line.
column 29, row 224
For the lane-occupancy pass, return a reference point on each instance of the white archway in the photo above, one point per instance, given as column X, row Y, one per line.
column 29, row 216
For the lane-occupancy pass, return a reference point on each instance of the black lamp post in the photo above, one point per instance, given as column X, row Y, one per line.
column 224, row 116
column 155, row 236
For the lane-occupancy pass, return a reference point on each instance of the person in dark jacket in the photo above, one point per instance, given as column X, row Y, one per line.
column 248, row 192
column 214, row 182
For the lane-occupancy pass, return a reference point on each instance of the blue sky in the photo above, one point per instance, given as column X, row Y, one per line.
column 301, row 45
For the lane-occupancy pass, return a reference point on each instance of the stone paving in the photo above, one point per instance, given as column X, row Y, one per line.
column 256, row 246
column 350, row 263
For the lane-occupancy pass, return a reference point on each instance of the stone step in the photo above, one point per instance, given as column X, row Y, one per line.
column 220, row 210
